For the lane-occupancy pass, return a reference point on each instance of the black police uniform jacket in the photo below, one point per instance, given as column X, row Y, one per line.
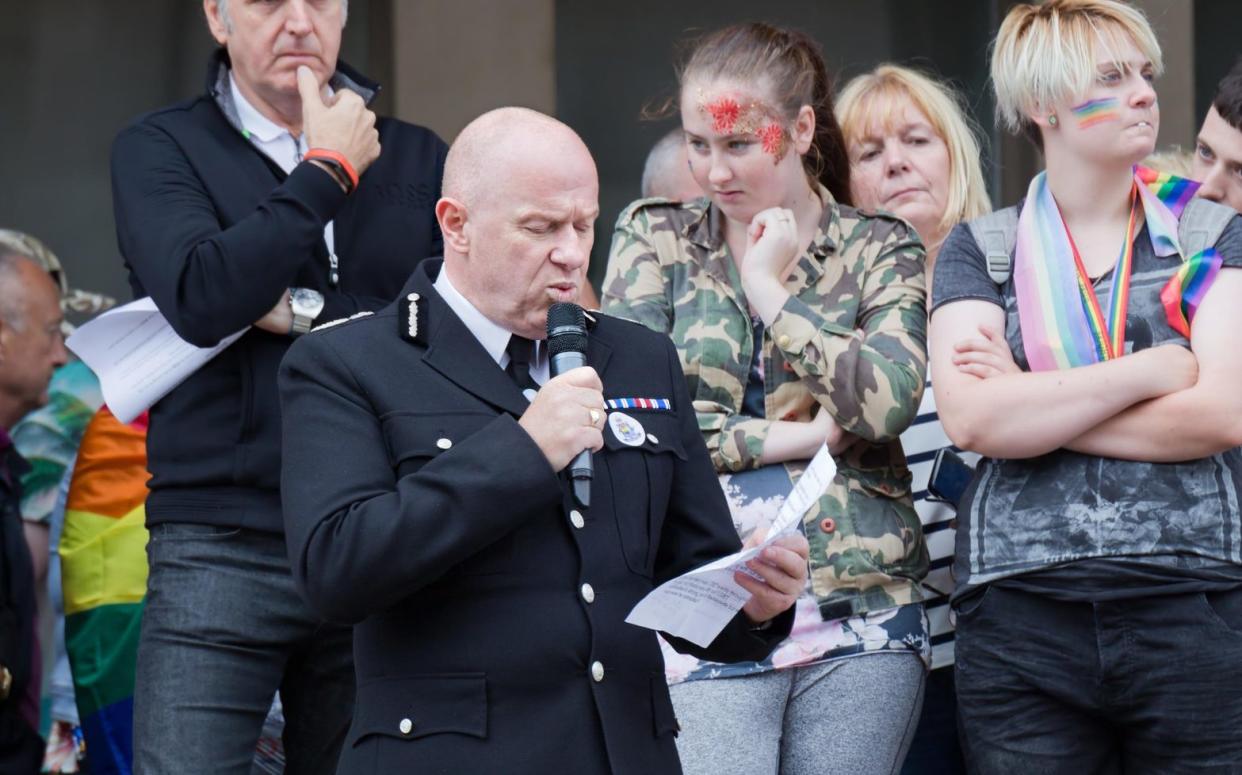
column 418, row 508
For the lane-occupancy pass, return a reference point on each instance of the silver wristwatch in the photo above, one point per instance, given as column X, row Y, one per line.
column 306, row 305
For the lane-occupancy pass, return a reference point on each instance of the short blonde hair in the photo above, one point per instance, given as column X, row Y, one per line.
column 1173, row 160
column 1046, row 53
column 875, row 98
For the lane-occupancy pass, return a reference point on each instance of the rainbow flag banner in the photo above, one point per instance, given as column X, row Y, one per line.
column 104, row 571
column 1173, row 191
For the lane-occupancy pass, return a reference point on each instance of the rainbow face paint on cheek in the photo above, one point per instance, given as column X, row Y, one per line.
column 1093, row 112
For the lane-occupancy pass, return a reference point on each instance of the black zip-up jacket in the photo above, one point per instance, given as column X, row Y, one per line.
column 17, row 606
column 214, row 232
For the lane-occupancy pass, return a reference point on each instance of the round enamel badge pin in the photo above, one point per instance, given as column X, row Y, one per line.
column 626, row 429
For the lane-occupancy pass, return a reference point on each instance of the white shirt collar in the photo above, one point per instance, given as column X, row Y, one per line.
column 257, row 125
column 493, row 337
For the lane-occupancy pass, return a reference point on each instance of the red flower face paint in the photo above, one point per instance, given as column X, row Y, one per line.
column 725, row 112
column 773, row 138
column 740, row 115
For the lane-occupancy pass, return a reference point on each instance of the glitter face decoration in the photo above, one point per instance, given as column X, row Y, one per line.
column 725, row 113
column 732, row 115
column 1093, row 112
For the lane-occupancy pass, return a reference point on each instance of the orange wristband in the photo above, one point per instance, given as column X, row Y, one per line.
column 336, row 160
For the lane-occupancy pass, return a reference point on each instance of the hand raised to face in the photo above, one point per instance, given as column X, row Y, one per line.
column 340, row 123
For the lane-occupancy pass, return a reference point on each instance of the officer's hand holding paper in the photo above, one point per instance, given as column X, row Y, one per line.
column 697, row 605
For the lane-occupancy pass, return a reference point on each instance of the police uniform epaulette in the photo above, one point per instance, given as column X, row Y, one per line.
column 867, row 212
column 638, row 204
column 338, row 321
column 412, row 319
column 594, row 321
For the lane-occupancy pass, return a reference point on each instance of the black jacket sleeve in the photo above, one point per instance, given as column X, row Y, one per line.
column 207, row 280
column 337, row 304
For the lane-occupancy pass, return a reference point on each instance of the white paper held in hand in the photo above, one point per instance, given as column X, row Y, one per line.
column 697, row 605
column 137, row 356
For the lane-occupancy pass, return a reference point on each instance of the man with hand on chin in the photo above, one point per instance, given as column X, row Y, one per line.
column 426, row 499
column 274, row 201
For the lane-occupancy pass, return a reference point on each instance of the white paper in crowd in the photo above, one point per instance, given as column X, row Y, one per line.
column 697, row 605
column 137, row 356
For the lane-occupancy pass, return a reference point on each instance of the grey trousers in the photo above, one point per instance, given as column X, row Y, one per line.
column 853, row 716
column 223, row 628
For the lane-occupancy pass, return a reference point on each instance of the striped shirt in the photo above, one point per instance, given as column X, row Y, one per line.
column 921, row 441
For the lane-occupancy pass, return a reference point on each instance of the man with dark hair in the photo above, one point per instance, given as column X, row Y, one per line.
column 274, row 201
column 31, row 348
column 1218, row 149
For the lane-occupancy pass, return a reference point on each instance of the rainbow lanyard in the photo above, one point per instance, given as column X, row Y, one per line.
column 1048, row 273
column 1108, row 335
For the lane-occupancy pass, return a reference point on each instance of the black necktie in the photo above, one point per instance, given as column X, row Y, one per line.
column 521, row 352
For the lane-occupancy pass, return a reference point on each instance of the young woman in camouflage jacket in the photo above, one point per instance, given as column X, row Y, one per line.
column 800, row 320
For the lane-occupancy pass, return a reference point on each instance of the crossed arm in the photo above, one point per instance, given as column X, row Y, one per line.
column 1162, row 404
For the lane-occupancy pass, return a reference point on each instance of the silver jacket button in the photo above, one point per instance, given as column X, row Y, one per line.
column 597, row 671
column 406, row 726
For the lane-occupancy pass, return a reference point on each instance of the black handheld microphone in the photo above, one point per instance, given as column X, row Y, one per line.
column 567, row 342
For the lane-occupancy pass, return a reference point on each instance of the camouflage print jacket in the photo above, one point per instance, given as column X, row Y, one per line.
column 851, row 338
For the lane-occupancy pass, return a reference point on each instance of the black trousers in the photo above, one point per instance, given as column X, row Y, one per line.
column 1147, row 685
column 21, row 748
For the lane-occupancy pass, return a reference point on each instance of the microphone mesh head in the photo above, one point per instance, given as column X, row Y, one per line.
column 566, row 329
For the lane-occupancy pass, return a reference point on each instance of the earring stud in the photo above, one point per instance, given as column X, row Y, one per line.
column 1052, row 120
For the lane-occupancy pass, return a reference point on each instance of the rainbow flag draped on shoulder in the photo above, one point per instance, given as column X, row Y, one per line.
column 104, row 571
column 1063, row 324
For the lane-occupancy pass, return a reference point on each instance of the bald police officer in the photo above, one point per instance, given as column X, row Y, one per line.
column 423, row 500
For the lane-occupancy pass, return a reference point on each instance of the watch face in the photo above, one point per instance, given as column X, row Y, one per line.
column 306, row 301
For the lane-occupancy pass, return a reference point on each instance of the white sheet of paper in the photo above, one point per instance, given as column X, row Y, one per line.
column 697, row 605
column 137, row 356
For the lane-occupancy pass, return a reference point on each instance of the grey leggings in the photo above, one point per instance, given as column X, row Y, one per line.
column 855, row 715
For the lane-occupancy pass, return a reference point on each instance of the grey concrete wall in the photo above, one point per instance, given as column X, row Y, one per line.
column 1174, row 23
column 455, row 59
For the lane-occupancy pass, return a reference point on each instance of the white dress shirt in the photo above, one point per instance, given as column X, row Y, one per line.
column 493, row 337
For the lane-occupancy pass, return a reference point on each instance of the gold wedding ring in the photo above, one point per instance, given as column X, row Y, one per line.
column 594, row 417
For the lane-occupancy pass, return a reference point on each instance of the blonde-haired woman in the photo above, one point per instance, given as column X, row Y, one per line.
column 1089, row 353
column 914, row 152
